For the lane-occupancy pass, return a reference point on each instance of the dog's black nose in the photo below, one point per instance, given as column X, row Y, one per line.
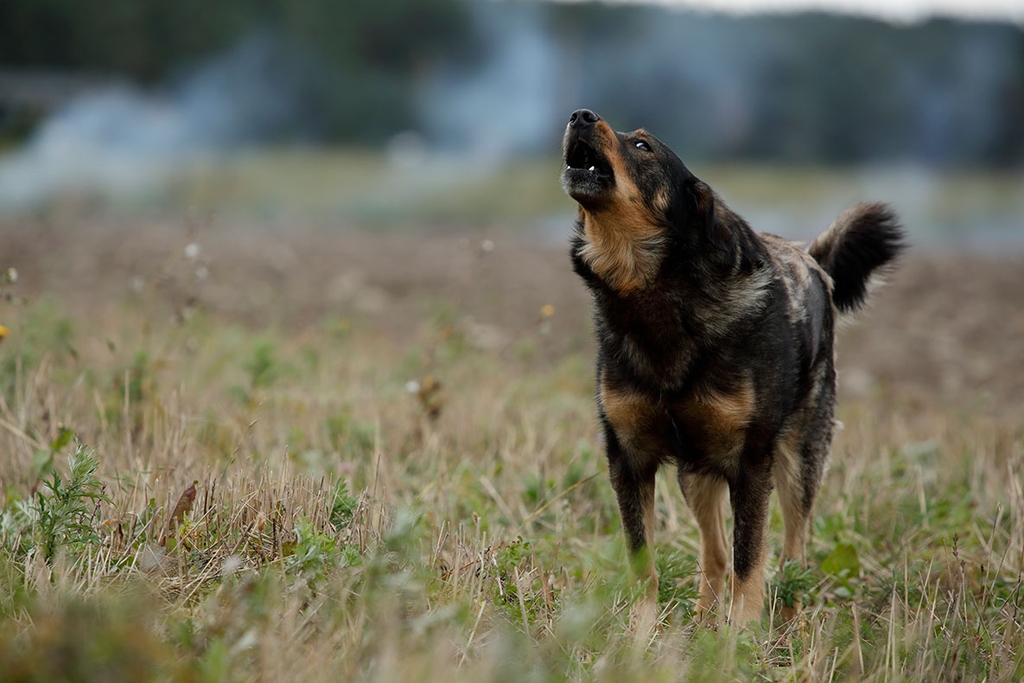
column 582, row 118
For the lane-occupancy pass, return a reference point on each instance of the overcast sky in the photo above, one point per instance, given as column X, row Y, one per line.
column 893, row 10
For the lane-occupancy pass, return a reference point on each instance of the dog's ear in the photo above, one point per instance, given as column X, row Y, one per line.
column 705, row 216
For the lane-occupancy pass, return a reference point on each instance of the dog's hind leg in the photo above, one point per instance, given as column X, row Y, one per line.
column 706, row 495
column 788, row 474
column 797, row 471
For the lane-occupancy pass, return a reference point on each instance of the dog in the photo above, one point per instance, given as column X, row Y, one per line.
column 715, row 350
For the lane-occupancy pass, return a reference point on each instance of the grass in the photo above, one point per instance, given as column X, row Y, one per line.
column 422, row 507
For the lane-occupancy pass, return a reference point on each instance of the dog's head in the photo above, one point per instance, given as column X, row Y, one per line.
column 633, row 182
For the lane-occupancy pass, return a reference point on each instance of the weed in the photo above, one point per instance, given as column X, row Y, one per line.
column 262, row 367
column 64, row 512
column 843, row 564
column 343, row 506
column 313, row 554
column 677, row 582
column 794, row 585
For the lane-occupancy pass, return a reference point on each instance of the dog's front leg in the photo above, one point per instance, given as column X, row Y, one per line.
column 706, row 497
column 633, row 482
column 748, row 493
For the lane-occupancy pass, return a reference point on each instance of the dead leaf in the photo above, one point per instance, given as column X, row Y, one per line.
column 181, row 508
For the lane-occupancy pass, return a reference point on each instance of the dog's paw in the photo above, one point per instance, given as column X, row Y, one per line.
column 644, row 619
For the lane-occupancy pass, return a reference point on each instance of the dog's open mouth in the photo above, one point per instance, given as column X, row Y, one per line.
column 588, row 175
column 583, row 157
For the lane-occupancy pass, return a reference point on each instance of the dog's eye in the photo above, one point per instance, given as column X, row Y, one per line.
column 643, row 145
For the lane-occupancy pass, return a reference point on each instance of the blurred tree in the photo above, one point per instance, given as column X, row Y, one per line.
column 799, row 88
column 370, row 50
column 139, row 38
column 144, row 38
column 374, row 50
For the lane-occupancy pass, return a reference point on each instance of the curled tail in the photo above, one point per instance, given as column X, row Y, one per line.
column 861, row 240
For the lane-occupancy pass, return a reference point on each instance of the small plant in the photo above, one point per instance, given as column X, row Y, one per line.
column 63, row 511
column 42, row 462
column 343, row 507
column 140, row 378
column 514, row 595
column 262, row 367
column 131, row 388
column 352, row 438
column 677, row 582
column 843, row 563
column 313, row 553
column 794, row 585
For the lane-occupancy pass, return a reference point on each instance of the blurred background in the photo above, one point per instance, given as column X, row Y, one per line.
column 391, row 169
column 449, row 114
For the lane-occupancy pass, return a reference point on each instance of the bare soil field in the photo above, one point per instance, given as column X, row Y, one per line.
column 945, row 328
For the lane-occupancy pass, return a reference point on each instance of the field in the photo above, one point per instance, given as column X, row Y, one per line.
column 276, row 453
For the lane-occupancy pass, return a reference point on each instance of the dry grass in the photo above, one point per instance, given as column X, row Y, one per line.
column 398, row 474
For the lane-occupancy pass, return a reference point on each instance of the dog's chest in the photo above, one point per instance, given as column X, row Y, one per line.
column 706, row 426
column 649, row 342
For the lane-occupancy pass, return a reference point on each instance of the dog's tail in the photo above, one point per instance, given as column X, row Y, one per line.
column 861, row 240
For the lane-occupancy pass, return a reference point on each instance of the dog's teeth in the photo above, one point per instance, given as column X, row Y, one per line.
column 568, row 167
column 591, row 169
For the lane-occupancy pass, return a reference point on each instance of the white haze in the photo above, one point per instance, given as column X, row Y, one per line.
column 122, row 138
column 900, row 11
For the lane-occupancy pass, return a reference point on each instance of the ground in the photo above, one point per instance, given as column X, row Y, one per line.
column 398, row 476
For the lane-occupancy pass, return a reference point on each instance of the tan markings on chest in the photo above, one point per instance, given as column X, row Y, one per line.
column 726, row 413
column 715, row 421
column 631, row 413
column 719, row 419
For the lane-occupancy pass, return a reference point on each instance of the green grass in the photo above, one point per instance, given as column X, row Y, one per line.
column 344, row 528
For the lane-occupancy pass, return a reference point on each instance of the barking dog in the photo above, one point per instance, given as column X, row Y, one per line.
column 715, row 349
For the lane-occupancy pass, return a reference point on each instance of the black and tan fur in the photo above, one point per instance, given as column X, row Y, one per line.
column 715, row 349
